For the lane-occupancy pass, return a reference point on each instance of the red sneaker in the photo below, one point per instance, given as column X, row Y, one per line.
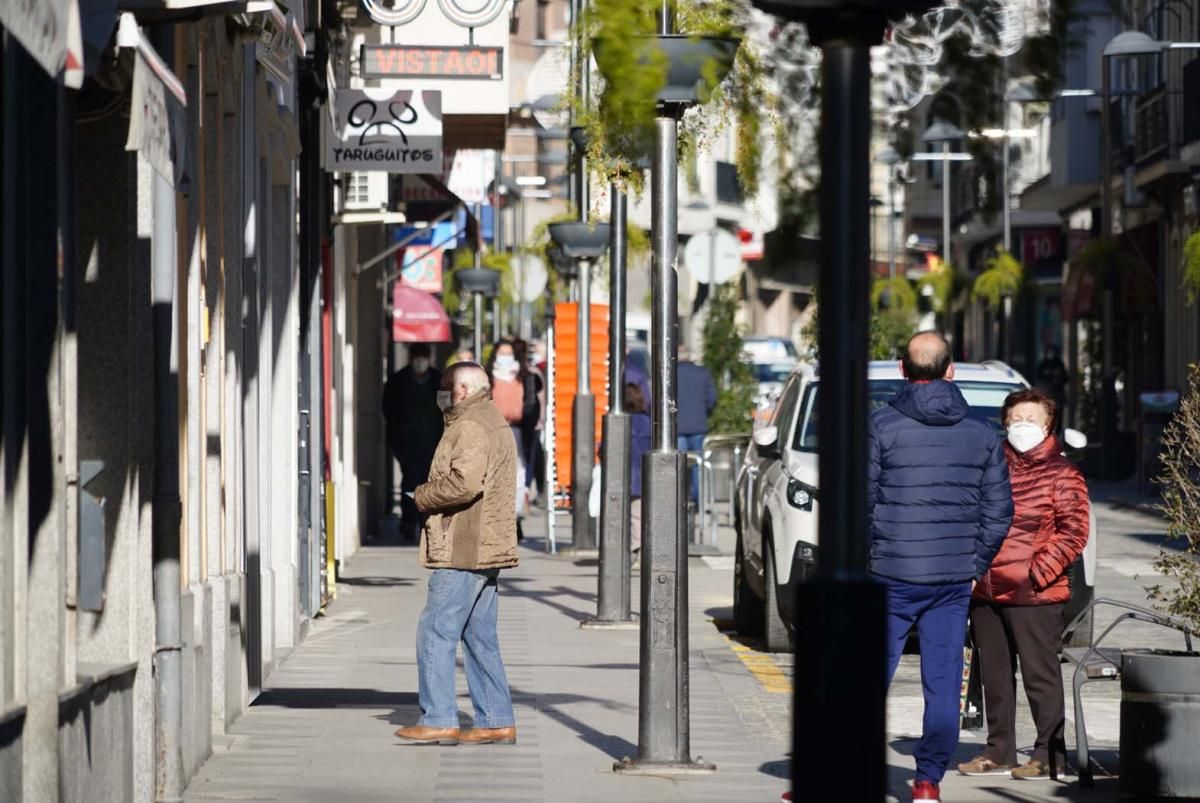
column 925, row 790
column 786, row 797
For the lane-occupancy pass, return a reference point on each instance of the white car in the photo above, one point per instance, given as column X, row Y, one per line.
column 778, row 495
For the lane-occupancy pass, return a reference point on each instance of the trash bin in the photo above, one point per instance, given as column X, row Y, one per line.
column 1156, row 411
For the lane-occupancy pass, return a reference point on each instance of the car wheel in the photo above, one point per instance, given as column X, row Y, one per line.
column 747, row 607
column 775, row 631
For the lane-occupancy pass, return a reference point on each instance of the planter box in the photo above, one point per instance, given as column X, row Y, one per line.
column 691, row 61
column 1160, row 724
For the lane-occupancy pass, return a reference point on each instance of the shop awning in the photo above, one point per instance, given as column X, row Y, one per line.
column 417, row 316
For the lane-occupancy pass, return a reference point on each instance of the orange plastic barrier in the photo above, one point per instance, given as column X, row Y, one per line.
column 566, row 319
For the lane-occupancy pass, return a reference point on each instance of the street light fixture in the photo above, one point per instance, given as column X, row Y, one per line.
column 944, row 133
column 890, row 158
column 582, row 243
column 840, row 696
column 480, row 283
column 1124, row 45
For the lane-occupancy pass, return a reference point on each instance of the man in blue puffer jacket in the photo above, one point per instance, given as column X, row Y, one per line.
column 940, row 505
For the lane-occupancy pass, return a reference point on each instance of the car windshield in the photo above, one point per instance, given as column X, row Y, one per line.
column 767, row 350
column 985, row 399
column 772, row 371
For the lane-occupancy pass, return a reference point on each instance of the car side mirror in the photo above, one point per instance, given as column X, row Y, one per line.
column 766, row 439
column 1074, row 439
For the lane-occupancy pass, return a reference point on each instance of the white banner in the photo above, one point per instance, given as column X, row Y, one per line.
column 41, row 26
column 386, row 130
column 473, row 171
column 150, row 121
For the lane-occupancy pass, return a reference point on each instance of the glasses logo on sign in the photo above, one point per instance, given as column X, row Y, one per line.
column 363, row 116
column 392, row 131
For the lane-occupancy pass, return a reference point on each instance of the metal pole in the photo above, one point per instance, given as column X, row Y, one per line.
column 946, row 202
column 840, row 681
column 891, row 221
column 664, row 739
column 1006, row 208
column 583, row 415
column 497, row 320
column 167, row 513
column 1108, row 413
column 478, row 299
column 613, row 607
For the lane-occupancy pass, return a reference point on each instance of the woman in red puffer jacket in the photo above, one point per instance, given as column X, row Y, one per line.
column 1017, row 607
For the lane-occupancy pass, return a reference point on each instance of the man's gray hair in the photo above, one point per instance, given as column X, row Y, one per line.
column 470, row 375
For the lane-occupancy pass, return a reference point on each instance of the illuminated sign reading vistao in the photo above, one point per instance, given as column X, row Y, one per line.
column 413, row 61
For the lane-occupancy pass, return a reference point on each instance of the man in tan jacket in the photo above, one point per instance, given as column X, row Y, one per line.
column 470, row 534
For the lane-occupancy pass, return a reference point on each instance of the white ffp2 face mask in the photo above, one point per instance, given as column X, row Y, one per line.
column 444, row 400
column 1024, row 436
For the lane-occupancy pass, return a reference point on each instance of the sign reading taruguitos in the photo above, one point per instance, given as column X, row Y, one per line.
column 392, row 131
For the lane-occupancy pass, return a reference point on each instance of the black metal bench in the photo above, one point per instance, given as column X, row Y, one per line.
column 1096, row 664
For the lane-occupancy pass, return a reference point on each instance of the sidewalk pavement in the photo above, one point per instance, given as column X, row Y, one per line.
column 322, row 729
column 1127, row 495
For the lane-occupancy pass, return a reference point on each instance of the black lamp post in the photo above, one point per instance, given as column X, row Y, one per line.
column 481, row 283
column 664, row 731
column 839, row 711
column 583, row 243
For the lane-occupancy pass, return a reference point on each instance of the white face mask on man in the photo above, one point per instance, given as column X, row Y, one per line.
column 1024, row 435
column 444, row 400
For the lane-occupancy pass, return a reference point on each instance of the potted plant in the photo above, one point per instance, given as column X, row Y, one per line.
column 640, row 72
column 1160, row 689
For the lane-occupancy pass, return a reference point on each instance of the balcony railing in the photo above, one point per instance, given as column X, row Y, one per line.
column 1191, row 102
column 1152, row 126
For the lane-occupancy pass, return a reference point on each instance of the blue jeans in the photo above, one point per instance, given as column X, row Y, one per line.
column 461, row 606
column 692, row 443
column 940, row 615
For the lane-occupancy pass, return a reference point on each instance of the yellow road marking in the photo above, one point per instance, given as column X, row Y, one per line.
column 763, row 667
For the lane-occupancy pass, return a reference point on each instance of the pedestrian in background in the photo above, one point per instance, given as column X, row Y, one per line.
column 509, row 392
column 1052, row 376
column 470, row 534
column 697, row 397
column 533, row 403
column 414, row 427
column 939, row 505
column 638, row 410
column 1017, row 608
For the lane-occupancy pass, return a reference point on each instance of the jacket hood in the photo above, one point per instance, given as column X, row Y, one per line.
column 936, row 404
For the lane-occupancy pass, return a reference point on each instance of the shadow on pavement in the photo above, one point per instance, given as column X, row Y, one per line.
column 334, row 698
column 376, row 582
column 615, row 747
column 780, row 768
column 548, row 597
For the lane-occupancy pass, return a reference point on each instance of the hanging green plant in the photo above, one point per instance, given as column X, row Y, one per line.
column 465, row 258
column 943, row 284
column 1002, row 276
column 621, row 36
column 895, row 293
column 1135, row 285
column 1191, row 266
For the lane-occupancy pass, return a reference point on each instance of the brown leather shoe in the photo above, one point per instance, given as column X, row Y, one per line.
column 423, row 734
column 489, row 736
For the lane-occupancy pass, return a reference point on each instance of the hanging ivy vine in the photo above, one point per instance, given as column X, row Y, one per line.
column 620, row 35
column 1191, row 266
column 1002, row 276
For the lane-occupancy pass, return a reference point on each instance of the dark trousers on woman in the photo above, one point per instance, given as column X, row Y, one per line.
column 1004, row 634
